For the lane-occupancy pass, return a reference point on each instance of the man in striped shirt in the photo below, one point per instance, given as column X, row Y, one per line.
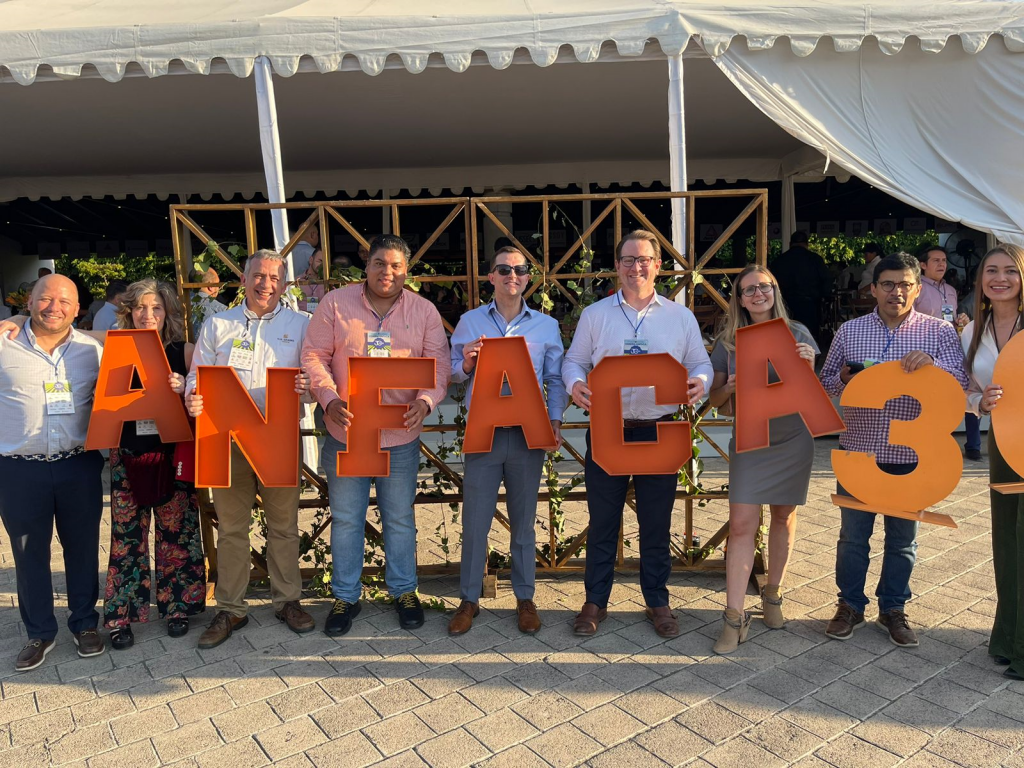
column 377, row 318
column 47, row 381
column 893, row 331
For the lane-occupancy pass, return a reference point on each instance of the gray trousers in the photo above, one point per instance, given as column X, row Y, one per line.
column 512, row 461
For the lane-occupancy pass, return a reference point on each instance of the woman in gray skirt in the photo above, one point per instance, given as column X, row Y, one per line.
column 777, row 476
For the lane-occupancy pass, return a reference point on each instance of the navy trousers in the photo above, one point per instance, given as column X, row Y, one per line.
column 35, row 496
column 606, row 498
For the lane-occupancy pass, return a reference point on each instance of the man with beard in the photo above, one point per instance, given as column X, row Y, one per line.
column 259, row 334
column 510, row 458
column 893, row 331
column 377, row 318
column 47, row 478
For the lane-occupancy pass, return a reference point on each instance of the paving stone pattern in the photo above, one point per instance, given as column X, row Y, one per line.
column 495, row 697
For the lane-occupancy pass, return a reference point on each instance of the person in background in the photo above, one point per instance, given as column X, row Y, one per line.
column 998, row 317
column 938, row 299
column 894, row 330
column 204, row 300
column 510, row 459
column 259, row 334
column 805, row 282
column 106, row 318
column 314, row 289
column 872, row 255
column 303, row 250
column 636, row 320
column 47, row 382
column 43, row 272
column 778, row 475
column 376, row 318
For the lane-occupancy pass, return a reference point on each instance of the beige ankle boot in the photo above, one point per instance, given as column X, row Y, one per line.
column 771, row 606
column 735, row 626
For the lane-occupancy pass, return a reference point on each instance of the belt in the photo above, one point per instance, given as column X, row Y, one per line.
column 640, row 423
column 52, row 457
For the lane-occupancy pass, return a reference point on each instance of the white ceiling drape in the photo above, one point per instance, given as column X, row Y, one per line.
column 941, row 131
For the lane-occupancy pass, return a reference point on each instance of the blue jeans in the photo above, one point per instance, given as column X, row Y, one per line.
column 350, row 497
column 972, row 432
column 853, row 551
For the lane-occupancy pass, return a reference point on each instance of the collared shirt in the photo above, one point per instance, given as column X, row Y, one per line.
column 276, row 338
column 203, row 306
column 868, row 338
column 106, row 318
column 867, row 277
column 984, row 364
column 543, row 339
column 667, row 326
column 934, row 296
column 300, row 255
column 24, row 367
column 339, row 330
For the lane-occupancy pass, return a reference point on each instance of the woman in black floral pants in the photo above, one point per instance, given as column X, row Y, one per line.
column 143, row 487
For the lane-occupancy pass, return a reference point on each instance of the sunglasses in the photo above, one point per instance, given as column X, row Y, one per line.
column 505, row 270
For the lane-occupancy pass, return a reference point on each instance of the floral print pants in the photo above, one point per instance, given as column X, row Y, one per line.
column 180, row 566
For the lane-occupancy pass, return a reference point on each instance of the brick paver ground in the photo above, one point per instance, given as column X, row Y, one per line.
column 494, row 697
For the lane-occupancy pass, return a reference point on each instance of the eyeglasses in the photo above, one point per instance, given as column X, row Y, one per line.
column 629, row 261
column 764, row 288
column 889, row 286
column 506, row 269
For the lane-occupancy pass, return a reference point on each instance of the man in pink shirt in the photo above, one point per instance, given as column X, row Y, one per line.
column 377, row 318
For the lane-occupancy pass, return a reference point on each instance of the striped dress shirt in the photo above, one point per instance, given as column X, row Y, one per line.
column 339, row 330
column 868, row 338
column 24, row 367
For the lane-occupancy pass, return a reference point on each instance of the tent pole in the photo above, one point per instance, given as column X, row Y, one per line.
column 270, row 143
column 788, row 209
column 677, row 156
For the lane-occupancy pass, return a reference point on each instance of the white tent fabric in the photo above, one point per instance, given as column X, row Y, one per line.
column 942, row 132
column 66, row 35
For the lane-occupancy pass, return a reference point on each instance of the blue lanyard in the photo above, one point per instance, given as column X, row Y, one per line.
column 889, row 337
column 47, row 358
column 636, row 328
column 380, row 320
column 503, row 332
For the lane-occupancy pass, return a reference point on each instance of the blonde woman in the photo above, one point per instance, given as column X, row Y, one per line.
column 777, row 476
column 998, row 317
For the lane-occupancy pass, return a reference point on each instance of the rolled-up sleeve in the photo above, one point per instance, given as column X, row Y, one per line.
column 578, row 360
column 695, row 356
column 318, row 352
column 205, row 353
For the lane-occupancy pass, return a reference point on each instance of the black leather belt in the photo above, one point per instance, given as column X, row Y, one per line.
column 640, row 423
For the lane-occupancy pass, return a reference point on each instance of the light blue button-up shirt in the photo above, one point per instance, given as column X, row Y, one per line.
column 542, row 339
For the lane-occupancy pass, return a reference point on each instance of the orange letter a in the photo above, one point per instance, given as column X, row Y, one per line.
column 524, row 407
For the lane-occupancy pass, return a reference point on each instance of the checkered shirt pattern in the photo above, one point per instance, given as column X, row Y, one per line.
column 865, row 338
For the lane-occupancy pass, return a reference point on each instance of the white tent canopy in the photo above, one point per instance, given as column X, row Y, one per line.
column 527, row 125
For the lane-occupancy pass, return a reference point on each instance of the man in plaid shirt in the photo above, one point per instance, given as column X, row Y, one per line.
column 893, row 331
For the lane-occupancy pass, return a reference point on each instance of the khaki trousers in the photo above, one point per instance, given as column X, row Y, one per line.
column 234, row 515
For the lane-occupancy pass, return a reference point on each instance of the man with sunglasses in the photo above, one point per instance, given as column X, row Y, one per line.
column 893, row 331
column 510, row 459
column 635, row 320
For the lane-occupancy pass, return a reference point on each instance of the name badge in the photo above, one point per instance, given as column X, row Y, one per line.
column 241, row 354
column 145, row 427
column 311, row 305
column 378, row 343
column 635, row 347
column 58, row 397
column 947, row 313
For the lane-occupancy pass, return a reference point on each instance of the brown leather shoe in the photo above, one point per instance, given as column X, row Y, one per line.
column 463, row 618
column 896, row 624
column 844, row 623
column 220, row 629
column 89, row 643
column 298, row 620
column 588, row 618
column 665, row 623
column 529, row 621
column 33, row 654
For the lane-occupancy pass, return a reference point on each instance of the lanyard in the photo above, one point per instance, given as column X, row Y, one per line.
column 889, row 337
column 380, row 320
column 47, row 358
column 509, row 326
column 636, row 328
column 938, row 288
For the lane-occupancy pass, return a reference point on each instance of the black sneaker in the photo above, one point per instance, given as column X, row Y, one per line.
column 973, row 454
column 339, row 620
column 121, row 639
column 410, row 612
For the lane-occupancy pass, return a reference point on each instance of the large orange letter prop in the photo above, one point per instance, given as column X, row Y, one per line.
column 1006, row 416
column 797, row 391
column 367, row 376
column 524, row 407
column 270, row 444
column 124, row 353
column 939, row 464
column 614, row 455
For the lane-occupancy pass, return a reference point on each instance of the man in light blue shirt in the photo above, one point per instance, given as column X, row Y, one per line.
column 106, row 317
column 510, row 459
